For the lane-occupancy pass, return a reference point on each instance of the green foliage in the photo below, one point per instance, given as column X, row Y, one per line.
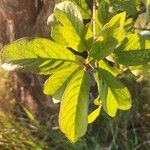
column 74, row 106
column 94, row 114
column 73, row 29
column 113, row 94
column 74, row 53
column 83, row 7
column 113, row 30
column 37, row 55
column 126, row 5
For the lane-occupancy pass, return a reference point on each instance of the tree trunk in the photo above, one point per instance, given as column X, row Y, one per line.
column 27, row 18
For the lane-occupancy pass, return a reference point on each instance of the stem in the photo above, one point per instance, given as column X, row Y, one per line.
column 90, row 65
column 93, row 20
column 94, row 26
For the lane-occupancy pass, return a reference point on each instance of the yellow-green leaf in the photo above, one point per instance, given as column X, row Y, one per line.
column 94, row 114
column 111, row 35
column 104, row 65
column 37, row 55
column 133, row 58
column 73, row 30
column 113, row 93
column 74, row 107
column 57, row 35
column 58, row 81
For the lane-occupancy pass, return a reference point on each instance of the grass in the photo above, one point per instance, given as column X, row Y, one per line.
column 130, row 130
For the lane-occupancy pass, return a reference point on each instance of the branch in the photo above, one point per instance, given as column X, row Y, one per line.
column 93, row 19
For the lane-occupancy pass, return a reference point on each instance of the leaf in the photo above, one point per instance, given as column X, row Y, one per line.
column 103, row 12
column 140, row 70
column 98, row 25
column 84, row 9
column 134, row 51
column 57, row 82
column 74, row 107
column 57, row 35
column 126, row 5
column 114, row 94
column 94, row 114
column 134, row 42
column 133, row 58
column 104, row 65
column 37, row 55
column 74, row 31
column 114, row 31
column 96, row 101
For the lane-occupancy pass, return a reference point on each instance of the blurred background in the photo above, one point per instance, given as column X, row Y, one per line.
column 29, row 119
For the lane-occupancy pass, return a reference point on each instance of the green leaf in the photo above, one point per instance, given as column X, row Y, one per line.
column 83, row 7
column 74, row 31
column 103, row 12
column 94, row 114
column 134, row 42
column 134, row 51
column 36, row 55
column 140, row 70
column 97, row 101
column 133, row 58
column 126, row 5
column 114, row 31
column 58, row 81
column 74, row 107
column 104, row 65
column 57, row 35
column 113, row 93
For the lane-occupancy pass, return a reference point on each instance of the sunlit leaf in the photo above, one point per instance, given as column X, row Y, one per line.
column 109, row 38
column 58, row 81
column 94, row 114
column 103, row 11
column 37, row 55
column 134, row 51
column 57, row 35
column 74, row 31
column 104, row 65
column 133, row 58
column 113, row 93
column 84, row 9
column 96, row 101
column 74, row 107
column 141, row 70
column 134, row 42
column 126, row 5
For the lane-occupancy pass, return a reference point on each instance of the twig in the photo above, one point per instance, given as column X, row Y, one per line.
column 93, row 20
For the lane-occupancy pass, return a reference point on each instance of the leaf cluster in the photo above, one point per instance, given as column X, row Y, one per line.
column 75, row 54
